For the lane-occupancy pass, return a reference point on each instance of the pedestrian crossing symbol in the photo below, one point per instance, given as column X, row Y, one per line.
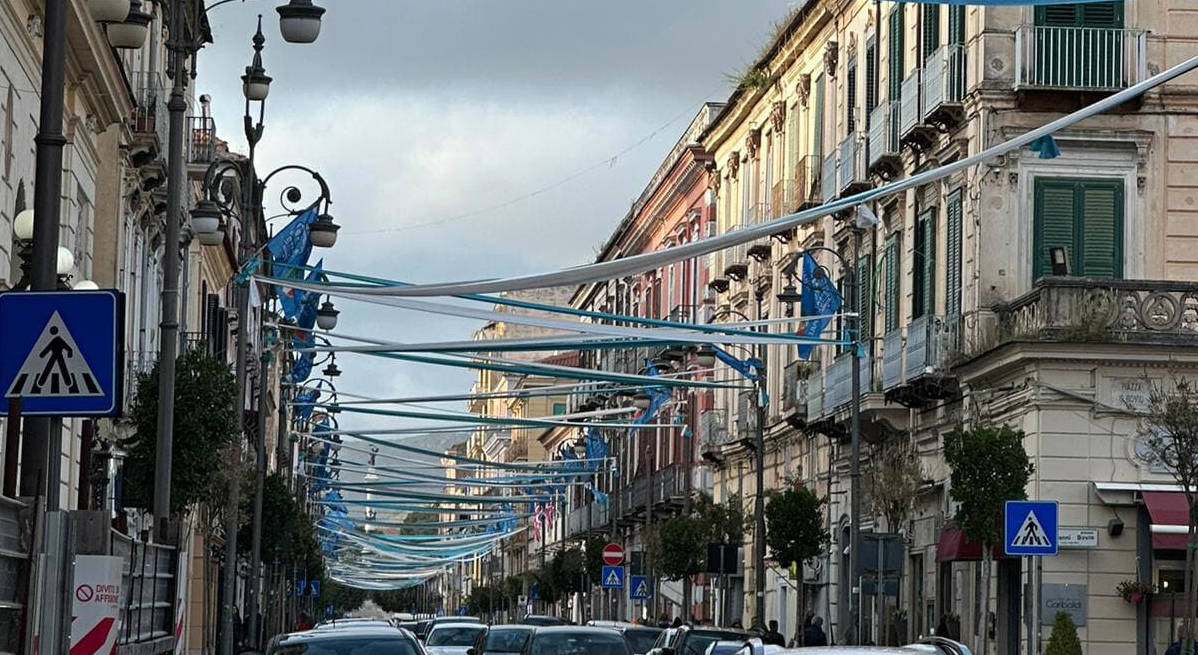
column 1030, row 528
column 639, row 587
column 612, row 577
column 54, row 367
column 60, row 352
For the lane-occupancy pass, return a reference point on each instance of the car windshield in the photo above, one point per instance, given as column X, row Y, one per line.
column 696, row 642
column 350, row 645
column 579, row 643
column 506, row 641
column 641, row 640
column 454, row 636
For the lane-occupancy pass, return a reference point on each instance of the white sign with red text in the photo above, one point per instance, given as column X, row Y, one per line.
column 96, row 604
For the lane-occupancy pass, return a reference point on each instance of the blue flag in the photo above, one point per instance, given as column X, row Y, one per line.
column 305, row 402
column 820, row 298
column 1046, row 147
column 310, row 302
column 290, row 249
column 596, row 448
column 748, row 368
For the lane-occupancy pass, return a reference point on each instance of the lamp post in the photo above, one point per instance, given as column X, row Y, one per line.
column 853, row 323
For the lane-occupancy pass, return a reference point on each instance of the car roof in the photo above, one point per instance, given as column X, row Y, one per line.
column 513, row 626
column 457, row 619
column 458, row 624
column 355, row 631
column 585, row 629
column 346, row 624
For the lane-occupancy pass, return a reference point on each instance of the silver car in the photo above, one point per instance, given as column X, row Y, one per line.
column 452, row 638
column 925, row 646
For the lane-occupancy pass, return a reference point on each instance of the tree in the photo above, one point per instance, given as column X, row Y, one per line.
column 206, row 422
column 420, row 517
column 989, row 467
column 594, row 559
column 894, row 482
column 281, row 515
column 1063, row 640
column 513, row 588
column 794, row 528
column 682, row 543
column 1169, row 432
column 725, row 522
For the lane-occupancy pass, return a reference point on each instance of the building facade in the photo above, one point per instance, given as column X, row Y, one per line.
column 965, row 320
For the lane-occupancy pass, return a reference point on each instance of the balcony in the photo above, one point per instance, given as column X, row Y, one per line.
column 885, row 147
column 916, row 369
column 944, row 87
column 815, row 394
column 912, row 132
column 1079, row 58
column 851, row 166
column 149, row 117
column 758, row 214
column 590, row 519
column 667, row 490
column 795, row 392
column 736, row 258
column 1091, row 310
column 200, row 141
column 684, row 314
column 713, row 430
column 719, row 280
column 828, row 177
column 839, row 390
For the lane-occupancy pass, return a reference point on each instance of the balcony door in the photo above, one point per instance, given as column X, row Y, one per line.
column 1080, row 45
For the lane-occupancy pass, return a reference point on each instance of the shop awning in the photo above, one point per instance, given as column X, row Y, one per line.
column 954, row 547
column 1169, row 512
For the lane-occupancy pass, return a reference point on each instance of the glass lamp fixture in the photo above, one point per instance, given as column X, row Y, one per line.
column 22, row 226
column 213, row 238
column 323, row 232
column 255, row 84
column 86, row 285
column 109, row 11
column 205, row 217
column 66, row 262
column 130, row 34
column 705, row 356
column 299, row 21
column 326, row 316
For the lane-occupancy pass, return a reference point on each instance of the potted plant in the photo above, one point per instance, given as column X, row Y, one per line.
column 1133, row 591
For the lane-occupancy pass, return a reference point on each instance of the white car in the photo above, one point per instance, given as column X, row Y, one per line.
column 925, row 646
column 452, row 638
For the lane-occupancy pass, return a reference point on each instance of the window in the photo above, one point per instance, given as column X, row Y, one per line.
column 931, row 30
column 952, row 254
column 892, row 270
column 559, row 408
column 924, row 273
column 1079, row 14
column 895, row 53
column 1083, row 216
column 871, row 75
column 865, row 296
column 850, row 91
column 1069, row 56
column 956, row 24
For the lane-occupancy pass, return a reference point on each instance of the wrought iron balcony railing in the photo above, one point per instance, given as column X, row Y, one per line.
column 1079, row 58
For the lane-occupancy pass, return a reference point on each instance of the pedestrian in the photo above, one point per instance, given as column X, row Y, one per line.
column 772, row 637
column 1175, row 647
column 663, row 621
column 813, row 634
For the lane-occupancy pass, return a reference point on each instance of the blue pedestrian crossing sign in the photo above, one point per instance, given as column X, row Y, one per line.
column 314, row 588
column 612, row 577
column 639, row 587
column 1030, row 528
column 61, row 352
column 300, row 586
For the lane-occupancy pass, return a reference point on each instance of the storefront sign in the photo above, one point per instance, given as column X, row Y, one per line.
column 1078, row 537
column 1069, row 598
column 96, row 604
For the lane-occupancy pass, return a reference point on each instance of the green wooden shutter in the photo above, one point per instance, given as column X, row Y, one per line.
column 924, row 270
column 952, row 256
column 931, row 29
column 1101, row 223
column 818, row 121
column 895, row 53
column 865, row 295
column 892, row 271
column 1055, row 208
column 956, row 24
column 850, row 100
column 871, row 75
column 1065, row 15
column 1102, row 14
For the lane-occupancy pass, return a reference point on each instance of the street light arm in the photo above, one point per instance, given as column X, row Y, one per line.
column 792, row 266
column 325, row 194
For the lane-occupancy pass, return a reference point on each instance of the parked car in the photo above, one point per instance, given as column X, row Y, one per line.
column 691, row 640
column 640, row 638
column 576, row 640
column 452, row 638
column 352, row 640
column 341, row 624
column 925, row 646
column 538, row 619
column 502, row 640
column 725, row 647
column 426, row 626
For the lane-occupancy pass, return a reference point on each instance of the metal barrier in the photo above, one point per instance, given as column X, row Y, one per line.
column 148, row 581
column 1093, row 58
column 14, row 555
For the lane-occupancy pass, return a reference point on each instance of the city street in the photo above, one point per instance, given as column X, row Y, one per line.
column 482, row 327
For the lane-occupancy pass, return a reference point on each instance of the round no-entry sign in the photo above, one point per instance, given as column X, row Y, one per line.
column 613, row 554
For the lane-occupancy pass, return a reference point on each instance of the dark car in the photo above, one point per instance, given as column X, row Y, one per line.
column 576, row 640
column 537, row 619
column 452, row 638
column 502, row 639
column 640, row 638
column 687, row 640
column 424, row 627
column 359, row 640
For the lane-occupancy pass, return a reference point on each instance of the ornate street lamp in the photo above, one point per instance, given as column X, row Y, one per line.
column 255, row 84
column 705, row 356
column 326, row 316
column 323, row 232
column 299, row 21
column 109, row 11
column 130, row 34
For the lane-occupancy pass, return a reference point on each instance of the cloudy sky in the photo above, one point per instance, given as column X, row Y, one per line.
column 430, row 118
